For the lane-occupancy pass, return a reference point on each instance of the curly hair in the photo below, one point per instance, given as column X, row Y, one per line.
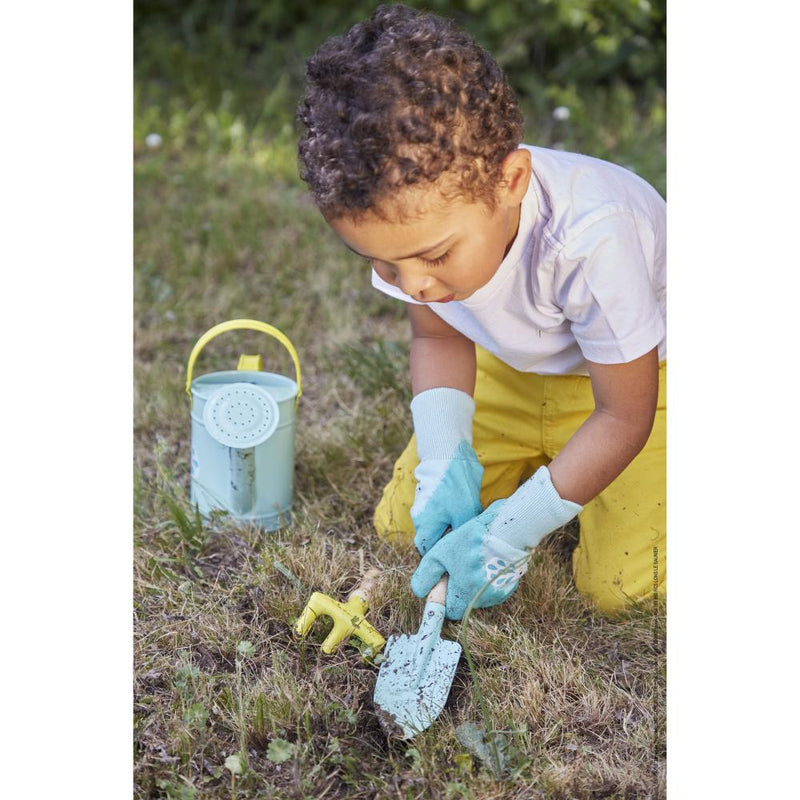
column 403, row 99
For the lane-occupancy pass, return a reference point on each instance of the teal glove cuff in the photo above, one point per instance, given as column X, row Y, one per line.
column 533, row 511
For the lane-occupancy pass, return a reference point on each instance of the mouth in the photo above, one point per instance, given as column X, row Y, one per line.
column 444, row 299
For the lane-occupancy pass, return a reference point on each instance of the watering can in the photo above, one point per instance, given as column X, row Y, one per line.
column 243, row 424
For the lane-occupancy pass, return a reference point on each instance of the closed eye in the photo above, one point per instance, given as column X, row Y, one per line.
column 435, row 262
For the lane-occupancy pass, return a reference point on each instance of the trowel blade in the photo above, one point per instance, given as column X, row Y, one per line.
column 414, row 679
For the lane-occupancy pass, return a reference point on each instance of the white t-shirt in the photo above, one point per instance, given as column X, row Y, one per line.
column 585, row 278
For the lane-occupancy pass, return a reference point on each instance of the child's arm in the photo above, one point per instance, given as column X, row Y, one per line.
column 449, row 474
column 625, row 405
column 497, row 542
column 440, row 355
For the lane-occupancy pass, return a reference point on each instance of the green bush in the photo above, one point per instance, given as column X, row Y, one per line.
column 538, row 42
column 224, row 76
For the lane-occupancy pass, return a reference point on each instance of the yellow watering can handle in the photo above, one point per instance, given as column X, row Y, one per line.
column 236, row 325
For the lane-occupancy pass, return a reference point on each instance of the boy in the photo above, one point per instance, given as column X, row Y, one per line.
column 534, row 281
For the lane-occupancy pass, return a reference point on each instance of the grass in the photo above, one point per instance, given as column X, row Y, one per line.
column 228, row 703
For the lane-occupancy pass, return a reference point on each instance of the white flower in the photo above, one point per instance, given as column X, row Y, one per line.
column 153, row 140
column 561, row 113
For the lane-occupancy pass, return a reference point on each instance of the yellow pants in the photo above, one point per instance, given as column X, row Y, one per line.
column 522, row 421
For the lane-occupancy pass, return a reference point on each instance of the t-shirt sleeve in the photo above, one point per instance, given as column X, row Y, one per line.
column 387, row 288
column 605, row 289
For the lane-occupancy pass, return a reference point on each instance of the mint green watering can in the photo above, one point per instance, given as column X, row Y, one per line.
column 243, row 425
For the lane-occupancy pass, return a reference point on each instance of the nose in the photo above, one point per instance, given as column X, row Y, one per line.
column 416, row 285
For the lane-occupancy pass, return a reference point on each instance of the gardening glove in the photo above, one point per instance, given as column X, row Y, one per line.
column 496, row 544
column 449, row 474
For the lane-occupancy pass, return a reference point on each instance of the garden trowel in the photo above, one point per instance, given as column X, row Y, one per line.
column 417, row 671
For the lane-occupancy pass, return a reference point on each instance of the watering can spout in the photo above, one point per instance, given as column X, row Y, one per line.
column 242, row 480
column 243, row 462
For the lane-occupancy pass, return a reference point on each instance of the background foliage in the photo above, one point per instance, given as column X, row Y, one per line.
column 537, row 41
column 225, row 75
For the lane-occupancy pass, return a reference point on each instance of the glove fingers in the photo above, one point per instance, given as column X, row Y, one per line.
column 447, row 494
column 429, row 526
column 426, row 575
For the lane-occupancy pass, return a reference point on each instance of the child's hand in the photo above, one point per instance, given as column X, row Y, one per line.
column 449, row 473
column 448, row 494
column 494, row 546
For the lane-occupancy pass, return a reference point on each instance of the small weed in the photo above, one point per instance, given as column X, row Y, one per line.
column 177, row 789
column 280, row 750
column 186, row 677
column 193, row 535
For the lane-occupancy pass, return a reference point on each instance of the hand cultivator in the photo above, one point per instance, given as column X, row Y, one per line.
column 349, row 618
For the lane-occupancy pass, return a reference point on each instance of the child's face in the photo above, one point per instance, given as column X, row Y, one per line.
column 446, row 250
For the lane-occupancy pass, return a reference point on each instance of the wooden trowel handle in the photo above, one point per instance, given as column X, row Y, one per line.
column 439, row 592
column 365, row 585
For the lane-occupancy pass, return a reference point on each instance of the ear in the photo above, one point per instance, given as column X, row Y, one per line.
column 516, row 176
